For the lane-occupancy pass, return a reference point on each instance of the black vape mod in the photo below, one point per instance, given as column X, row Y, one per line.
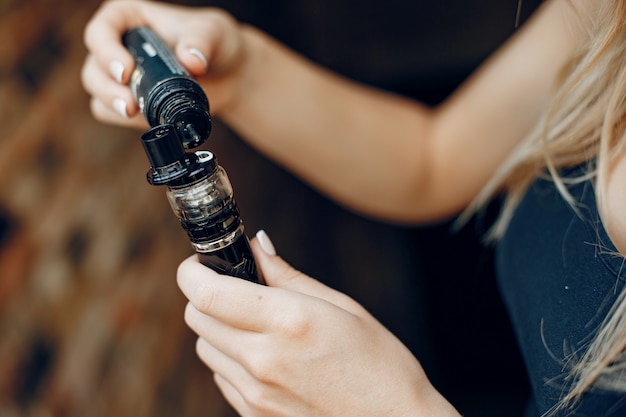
column 164, row 90
column 198, row 188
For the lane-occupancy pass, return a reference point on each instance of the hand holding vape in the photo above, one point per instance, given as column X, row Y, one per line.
column 198, row 189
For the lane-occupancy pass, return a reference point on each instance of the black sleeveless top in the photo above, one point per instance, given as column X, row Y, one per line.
column 558, row 276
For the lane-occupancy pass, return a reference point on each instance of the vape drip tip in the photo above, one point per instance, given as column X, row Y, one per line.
column 169, row 163
column 165, row 153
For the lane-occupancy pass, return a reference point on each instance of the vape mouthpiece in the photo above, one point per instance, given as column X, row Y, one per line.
column 168, row 159
column 162, row 146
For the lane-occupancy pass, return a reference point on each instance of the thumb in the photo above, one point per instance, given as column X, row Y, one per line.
column 193, row 54
column 213, row 44
column 278, row 273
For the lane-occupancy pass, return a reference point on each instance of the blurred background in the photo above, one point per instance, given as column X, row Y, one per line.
column 90, row 314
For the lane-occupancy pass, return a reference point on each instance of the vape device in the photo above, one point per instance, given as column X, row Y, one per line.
column 198, row 188
column 164, row 90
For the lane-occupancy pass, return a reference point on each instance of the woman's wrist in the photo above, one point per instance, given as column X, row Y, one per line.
column 228, row 92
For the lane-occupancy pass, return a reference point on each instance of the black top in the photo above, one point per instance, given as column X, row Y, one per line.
column 559, row 277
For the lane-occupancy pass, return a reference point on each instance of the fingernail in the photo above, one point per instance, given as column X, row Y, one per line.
column 266, row 243
column 120, row 107
column 196, row 52
column 116, row 68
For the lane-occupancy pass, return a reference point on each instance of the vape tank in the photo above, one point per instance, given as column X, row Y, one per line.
column 198, row 188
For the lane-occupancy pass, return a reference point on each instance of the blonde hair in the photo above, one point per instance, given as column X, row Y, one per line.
column 585, row 123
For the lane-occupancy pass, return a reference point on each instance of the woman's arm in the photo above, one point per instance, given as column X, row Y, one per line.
column 375, row 152
column 388, row 156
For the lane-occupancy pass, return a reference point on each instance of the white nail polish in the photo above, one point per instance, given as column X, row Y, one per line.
column 266, row 243
column 116, row 68
column 120, row 107
column 196, row 52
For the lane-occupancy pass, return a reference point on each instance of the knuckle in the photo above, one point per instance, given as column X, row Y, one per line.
column 297, row 325
column 205, row 299
column 189, row 315
column 258, row 397
column 90, row 32
column 264, row 367
column 98, row 111
column 218, row 15
column 201, row 350
column 87, row 33
column 199, row 347
column 260, row 367
column 288, row 272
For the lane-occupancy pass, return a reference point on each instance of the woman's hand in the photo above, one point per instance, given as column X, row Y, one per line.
column 299, row 348
column 207, row 41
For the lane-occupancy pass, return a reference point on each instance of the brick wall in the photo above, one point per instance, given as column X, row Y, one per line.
column 90, row 315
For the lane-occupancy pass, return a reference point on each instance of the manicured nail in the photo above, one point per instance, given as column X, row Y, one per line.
column 116, row 68
column 196, row 52
column 266, row 243
column 120, row 107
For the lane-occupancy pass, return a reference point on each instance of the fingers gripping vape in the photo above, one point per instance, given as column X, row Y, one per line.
column 198, row 188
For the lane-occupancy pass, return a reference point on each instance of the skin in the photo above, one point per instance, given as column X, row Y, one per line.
column 305, row 117
column 297, row 347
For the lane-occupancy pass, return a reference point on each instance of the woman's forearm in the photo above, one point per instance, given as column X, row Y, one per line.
column 356, row 144
column 388, row 156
